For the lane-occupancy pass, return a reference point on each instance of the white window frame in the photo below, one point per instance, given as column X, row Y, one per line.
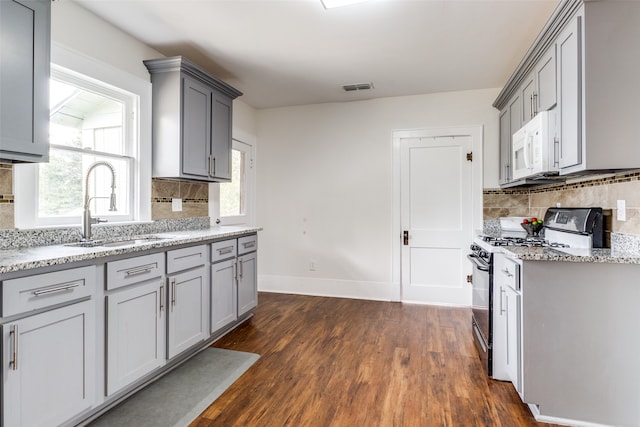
column 26, row 175
column 247, row 144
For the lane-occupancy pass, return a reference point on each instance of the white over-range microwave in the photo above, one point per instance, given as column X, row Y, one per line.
column 533, row 149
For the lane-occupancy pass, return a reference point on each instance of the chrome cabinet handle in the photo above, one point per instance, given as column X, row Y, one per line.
column 249, row 244
column 161, row 296
column 14, row 362
column 502, row 310
column 212, row 166
column 507, row 272
column 173, row 292
column 226, row 250
column 535, row 104
column 556, row 152
column 140, row 270
column 241, row 270
column 62, row 288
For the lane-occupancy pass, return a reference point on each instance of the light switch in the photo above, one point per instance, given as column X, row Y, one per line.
column 176, row 205
column 621, row 207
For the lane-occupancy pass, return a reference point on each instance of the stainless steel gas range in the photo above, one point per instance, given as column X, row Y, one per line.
column 564, row 228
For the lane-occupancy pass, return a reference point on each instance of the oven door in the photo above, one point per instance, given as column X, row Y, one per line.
column 481, row 308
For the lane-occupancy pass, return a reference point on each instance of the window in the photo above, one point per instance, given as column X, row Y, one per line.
column 99, row 113
column 87, row 125
column 235, row 196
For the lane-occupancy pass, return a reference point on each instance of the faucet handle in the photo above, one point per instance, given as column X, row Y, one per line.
column 98, row 220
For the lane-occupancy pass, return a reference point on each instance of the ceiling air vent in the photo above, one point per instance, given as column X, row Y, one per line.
column 357, row 86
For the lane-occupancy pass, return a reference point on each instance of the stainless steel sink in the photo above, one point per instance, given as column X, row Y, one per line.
column 116, row 243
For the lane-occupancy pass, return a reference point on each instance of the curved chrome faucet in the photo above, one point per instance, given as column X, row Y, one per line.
column 86, row 218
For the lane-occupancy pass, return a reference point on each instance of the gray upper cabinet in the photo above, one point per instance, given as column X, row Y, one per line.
column 25, row 34
column 569, row 60
column 546, row 94
column 583, row 66
column 192, row 121
column 505, row 146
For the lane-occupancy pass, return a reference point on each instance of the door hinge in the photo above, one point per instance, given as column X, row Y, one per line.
column 469, row 278
column 470, row 156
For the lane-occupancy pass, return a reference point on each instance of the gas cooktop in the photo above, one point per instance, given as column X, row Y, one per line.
column 521, row 241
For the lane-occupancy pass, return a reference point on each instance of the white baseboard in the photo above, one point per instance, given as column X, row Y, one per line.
column 561, row 421
column 377, row 291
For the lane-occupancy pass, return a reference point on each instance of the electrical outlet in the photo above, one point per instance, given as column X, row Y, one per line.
column 312, row 266
column 621, row 206
column 176, row 205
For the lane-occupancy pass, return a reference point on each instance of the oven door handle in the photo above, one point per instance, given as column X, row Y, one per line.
column 478, row 263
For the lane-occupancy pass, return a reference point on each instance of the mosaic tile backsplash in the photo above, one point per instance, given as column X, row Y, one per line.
column 601, row 192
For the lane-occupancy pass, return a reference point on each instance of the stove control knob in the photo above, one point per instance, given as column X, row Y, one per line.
column 474, row 247
column 483, row 254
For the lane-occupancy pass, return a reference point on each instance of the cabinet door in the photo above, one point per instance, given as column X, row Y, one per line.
column 546, row 81
column 196, row 128
column 247, row 283
column 569, row 48
column 515, row 115
column 527, row 95
column 505, row 146
column 224, row 294
column 187, row 310
column 221, row 137
column 513, row 306
column 135, row 333
column 48, row 373
column 24, row 81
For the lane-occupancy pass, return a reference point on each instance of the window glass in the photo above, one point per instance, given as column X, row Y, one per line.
column 87, row 125
column 232, row 194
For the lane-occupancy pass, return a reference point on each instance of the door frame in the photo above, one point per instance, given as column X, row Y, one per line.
column 476, row 134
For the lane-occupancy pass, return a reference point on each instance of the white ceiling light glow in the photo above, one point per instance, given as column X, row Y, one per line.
column 329, row 4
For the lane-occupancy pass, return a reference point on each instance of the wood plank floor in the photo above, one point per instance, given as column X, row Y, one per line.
column 342, row 362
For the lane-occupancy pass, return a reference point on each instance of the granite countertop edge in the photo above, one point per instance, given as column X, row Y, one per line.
column 13, row 260
column 550, row 254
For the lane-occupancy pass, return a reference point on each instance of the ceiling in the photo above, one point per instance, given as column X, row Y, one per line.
column 295, row 52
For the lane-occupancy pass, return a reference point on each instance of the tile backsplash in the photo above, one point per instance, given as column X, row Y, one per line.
column 194, row 195
column 601, row 192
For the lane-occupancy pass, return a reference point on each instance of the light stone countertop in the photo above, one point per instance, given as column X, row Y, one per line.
column 12, row 260
column 583, row 255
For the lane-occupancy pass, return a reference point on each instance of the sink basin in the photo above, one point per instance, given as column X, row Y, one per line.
column 115, row 243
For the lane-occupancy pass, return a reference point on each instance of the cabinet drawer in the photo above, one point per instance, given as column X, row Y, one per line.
column 134, row 270
column 223, row 250
column 247, row 244
column 183, row 259
column 509, row 274
column 42, row 290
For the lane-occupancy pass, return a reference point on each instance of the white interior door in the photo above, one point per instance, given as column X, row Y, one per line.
column 436, row 218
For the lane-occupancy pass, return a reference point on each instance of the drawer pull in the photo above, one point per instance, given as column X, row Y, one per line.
column 249, row 244
column 173, row 292
column 161, row 296
column 14, row 362
column 140, row 270
column 507, row 273
column 63, row 288
column 240, row 269
column 226, row 250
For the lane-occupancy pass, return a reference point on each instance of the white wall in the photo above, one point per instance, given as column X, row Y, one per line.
column 325, row 187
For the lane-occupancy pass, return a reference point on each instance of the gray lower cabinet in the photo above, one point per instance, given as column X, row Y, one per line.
column 48, row 358
column 188, row 303
column 224, row 289
column 135, row 319
column 25, row 33
column 192, row 121
column 247, row 274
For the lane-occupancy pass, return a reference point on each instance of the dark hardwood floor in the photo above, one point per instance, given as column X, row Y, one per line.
column 343, row 362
